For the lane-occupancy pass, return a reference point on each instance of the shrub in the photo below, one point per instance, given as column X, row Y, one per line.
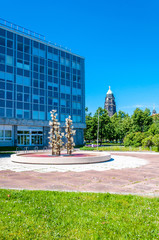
column 134, row 139
column 137, row 140
column 155, row 141
column 128, row 140
column 147, row 142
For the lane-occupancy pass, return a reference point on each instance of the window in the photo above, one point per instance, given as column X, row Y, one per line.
column 35, row 107
column 9, row 113
column 26, row 65
column 41, row 53
column 42, row 100
column 26, row 49
column 9, row 104
column 2, row 68
column 26, row 106
column 55, row 73
column 27, row 41
column 9, row 35
column 9, row 60
column 9, row 69
column 2, row 32
column 9, row 44
column 20, row 47
column 2, row 94
column 26, row 114
column 35, row 51
column 2, row 103
column 9, row 95
column 19, row 105
column 42, row 69
column 26, row 97
column 50, row 71
column 2, row 41
column 19, row 97
column 26, row 57
column 2, row 50
column 19, row 113
column 5, row 135
column 2, row 59
column 9, row 52
column 19, row 63
column 26, row 89
column 20, row 71
column 1, row 112
column 10, row 86
column 42, row 109
column 19, row 38
column 62, row 74
column 8, row 134
column 1, row 134
column 35, row 59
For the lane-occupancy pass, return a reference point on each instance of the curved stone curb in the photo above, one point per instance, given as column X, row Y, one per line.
column 95, row 157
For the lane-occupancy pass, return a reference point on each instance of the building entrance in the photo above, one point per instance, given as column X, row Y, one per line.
column 31, row 137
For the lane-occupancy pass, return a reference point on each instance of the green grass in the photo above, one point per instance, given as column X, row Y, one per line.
column 119, row 148
column 106, row 144
column 68, row 215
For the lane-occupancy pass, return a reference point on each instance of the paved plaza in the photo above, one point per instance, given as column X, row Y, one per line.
column 135, row 173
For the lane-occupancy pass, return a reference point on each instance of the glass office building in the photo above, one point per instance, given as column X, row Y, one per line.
column 36, row 77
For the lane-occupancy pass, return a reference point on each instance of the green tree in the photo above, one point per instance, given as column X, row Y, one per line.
column 104, row 124
column 141, row 120
column 154, row 129
column 122, row 125
column 88, row 133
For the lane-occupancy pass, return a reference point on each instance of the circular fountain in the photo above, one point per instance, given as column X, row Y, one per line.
column 45, row 158
column 55, row 156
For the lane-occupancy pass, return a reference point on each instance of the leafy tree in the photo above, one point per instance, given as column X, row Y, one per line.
column 122, row 124
column 141, row 120
column 88, row 133
column 154, row 129
column 104, row 122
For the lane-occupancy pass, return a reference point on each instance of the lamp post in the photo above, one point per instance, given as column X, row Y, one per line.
column 98, row 130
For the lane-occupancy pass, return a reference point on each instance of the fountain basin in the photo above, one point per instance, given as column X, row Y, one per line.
column 45, row 158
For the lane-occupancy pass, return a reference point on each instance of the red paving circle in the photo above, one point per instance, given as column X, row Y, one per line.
column 142, row 180
column 53, row 156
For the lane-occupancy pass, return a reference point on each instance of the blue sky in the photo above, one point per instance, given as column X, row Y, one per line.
column 119, row 40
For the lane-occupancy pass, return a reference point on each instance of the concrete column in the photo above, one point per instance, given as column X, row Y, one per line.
column 46, row 135
column 15, row 137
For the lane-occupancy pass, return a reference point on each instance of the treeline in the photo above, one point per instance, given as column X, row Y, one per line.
column 140, row 129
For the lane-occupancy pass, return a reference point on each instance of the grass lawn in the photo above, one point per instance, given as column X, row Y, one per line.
column 119, row 148
column 67, row 215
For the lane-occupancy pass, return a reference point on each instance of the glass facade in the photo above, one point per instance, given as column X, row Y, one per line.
column 36, row 78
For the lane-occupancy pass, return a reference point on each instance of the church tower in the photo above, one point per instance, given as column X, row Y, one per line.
column 154, row 110
column 110, row 104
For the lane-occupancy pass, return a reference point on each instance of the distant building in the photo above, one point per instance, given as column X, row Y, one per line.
column 110, row 104
column 154, row 111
